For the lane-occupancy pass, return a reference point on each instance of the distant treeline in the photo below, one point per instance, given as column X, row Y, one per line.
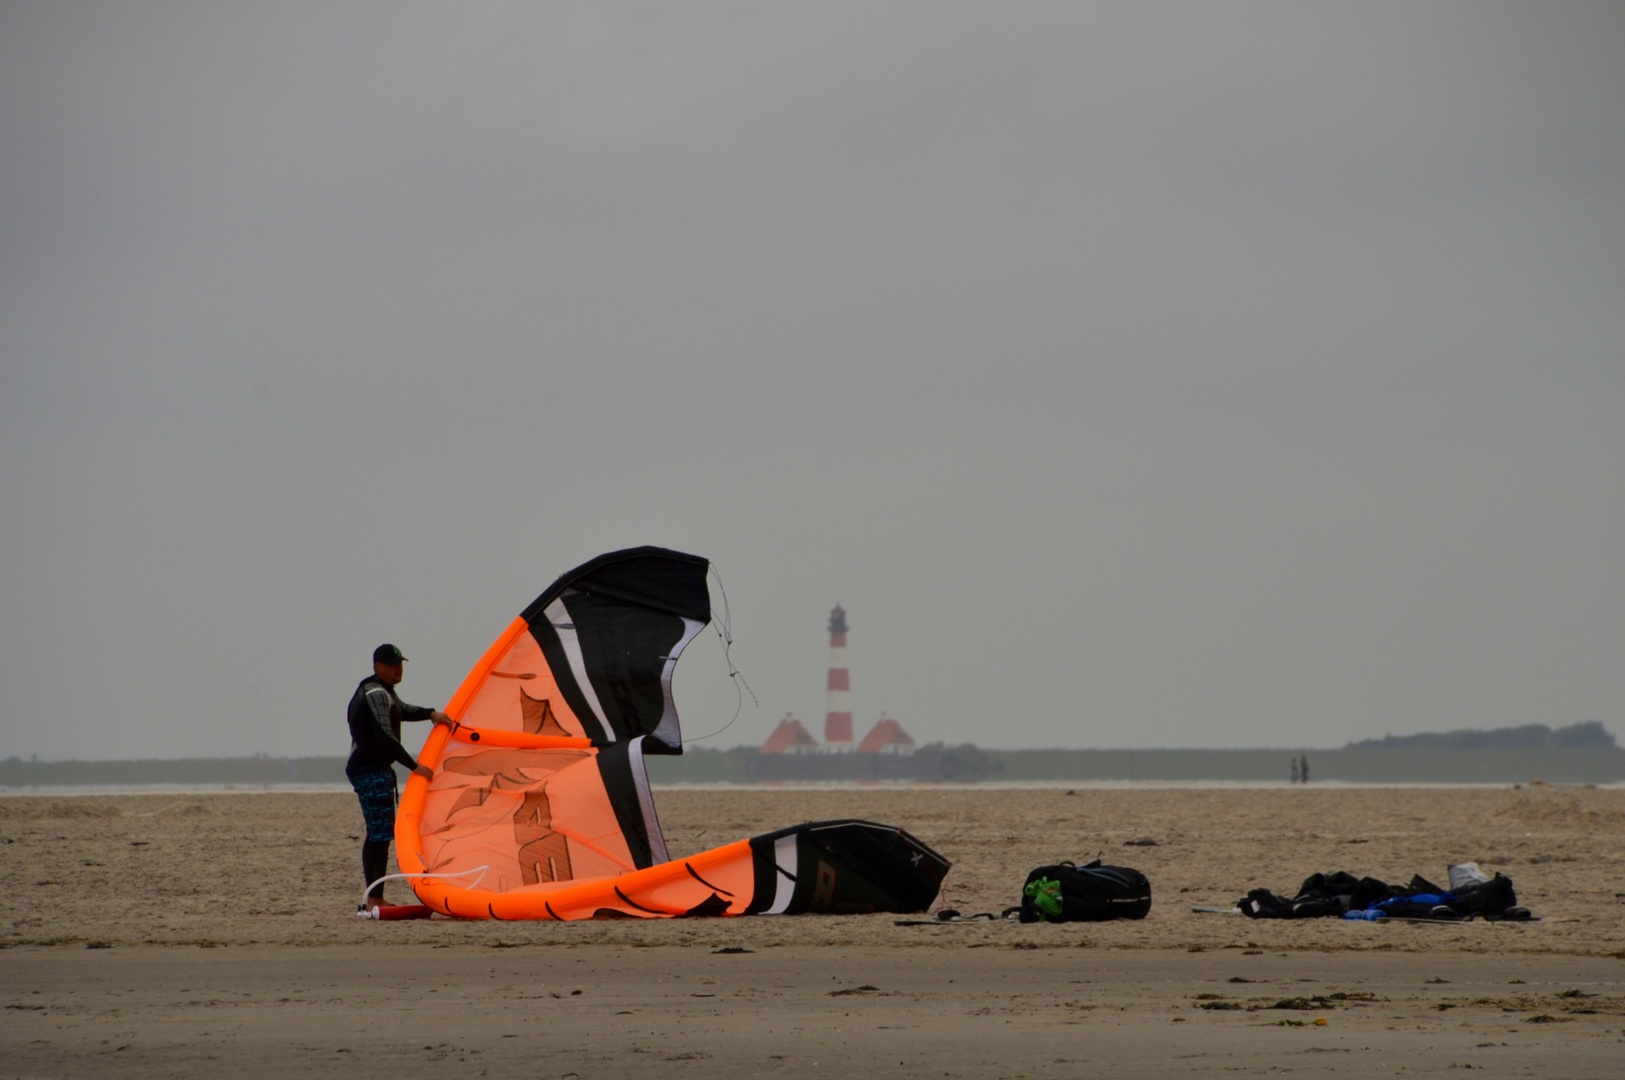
column 1374, row 761
column 1589, row 735
column 934, row 761
column 743, row 765
column 251, row 771
column 969, row 763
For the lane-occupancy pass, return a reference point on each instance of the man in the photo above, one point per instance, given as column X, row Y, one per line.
column 376, row 712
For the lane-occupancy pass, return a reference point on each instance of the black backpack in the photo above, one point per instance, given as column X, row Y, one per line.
column 1090, row 893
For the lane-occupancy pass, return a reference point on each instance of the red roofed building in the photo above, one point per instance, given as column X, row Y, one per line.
column 791, row 738
column 887, row 737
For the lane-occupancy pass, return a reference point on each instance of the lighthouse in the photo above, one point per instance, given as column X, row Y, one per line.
column 838, row 720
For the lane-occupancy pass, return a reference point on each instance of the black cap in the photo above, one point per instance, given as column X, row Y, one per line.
column 387, row 654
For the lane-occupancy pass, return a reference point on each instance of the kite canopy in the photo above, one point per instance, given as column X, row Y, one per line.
column 540, row 797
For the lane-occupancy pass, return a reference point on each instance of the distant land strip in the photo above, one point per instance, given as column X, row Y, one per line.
column 935, row 762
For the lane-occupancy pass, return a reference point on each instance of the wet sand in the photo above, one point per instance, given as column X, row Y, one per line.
column 614, row 1011
column 200, row 931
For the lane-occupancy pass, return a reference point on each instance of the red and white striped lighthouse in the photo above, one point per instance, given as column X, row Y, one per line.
column 838, row 720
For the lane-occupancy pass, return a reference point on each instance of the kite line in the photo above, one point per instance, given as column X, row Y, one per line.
column 725, row 634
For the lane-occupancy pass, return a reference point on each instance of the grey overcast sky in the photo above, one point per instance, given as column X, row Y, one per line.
column 1140, row 374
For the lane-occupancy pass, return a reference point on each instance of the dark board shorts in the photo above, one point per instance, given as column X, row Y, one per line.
column 376, row 790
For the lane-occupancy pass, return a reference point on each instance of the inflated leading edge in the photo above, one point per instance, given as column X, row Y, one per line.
column 541, row 780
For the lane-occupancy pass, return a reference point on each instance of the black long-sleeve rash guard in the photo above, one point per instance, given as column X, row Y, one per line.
column 376, row 712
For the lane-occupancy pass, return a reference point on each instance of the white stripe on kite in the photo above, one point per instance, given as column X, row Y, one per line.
column 667, row 731
column 646, row 803
column 784, row 854
column 565, row 628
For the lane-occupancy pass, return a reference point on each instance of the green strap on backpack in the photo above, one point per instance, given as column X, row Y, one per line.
column 1045, row 893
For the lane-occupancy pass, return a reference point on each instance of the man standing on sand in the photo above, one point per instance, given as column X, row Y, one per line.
column 376, row 712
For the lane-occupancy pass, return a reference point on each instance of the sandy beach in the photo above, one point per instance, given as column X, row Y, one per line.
column 172, row 934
